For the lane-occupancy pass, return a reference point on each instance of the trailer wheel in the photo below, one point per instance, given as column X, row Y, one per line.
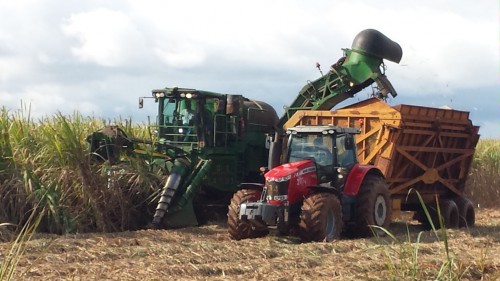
column 467, row 216
column 372, row 207
column 239, row 229
column 426, row 221
column 449, row 212
column 320, row 218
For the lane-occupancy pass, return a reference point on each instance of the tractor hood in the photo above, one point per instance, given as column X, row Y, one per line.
column 288, row 170
column 293, row 179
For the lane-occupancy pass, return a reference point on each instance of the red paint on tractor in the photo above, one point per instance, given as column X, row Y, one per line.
column 355, row 178
column 301, row 175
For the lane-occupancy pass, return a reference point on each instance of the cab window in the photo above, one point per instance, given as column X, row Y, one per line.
column 345, row 155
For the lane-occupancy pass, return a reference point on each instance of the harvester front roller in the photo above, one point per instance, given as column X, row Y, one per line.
column 320, row 218
column 240, row 229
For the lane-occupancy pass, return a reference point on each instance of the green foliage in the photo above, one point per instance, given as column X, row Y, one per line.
column 402, row 257
column 484, row 176
column 12, row 256
column 45, row 164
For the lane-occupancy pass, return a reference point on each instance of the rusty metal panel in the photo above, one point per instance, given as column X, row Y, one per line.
column 424, row 148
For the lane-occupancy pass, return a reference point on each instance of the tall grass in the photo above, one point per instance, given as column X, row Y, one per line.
column 484, row 176
column 45, row 164
column 12, row 256
column 402, row 257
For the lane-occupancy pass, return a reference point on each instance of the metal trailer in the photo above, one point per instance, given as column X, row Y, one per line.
column 423, row 149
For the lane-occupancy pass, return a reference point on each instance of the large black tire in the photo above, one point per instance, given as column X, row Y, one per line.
column 372, row 207
column 449, row 212
column 320, row 218
column 239, row 229
column 421, row 216
column 467, row 215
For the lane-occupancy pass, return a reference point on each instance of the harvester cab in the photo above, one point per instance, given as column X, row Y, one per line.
column 319, row 190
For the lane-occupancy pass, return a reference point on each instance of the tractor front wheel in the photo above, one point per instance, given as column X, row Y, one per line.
column 321, row 218
column 239, row 229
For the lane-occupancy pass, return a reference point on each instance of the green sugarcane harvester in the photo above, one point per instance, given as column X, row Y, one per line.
column 209, row 143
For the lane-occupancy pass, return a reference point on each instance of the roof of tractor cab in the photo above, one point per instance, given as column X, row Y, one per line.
column 325, row 129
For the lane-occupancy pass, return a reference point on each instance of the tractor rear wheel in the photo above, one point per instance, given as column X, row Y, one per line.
column 239, row 229
column 372, row 207
column 467, row 216
column 321, row 218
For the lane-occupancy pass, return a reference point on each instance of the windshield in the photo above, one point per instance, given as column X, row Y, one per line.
column 176, row 122
column 168, row 111
column 317, row 147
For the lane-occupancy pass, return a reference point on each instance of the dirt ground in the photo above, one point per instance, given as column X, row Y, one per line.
column 207, row 253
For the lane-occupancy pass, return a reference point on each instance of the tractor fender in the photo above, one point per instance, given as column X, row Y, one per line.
column 356, row 176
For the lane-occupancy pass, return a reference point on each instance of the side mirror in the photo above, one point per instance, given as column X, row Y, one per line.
column 141, row 102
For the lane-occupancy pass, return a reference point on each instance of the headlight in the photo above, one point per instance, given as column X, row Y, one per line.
column 159, row 95
column 277, row 190
column 283, row 178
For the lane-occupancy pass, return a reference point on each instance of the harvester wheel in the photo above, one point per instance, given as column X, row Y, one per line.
column 239, row 229
column 467, row 215
column 449, row 212
column 372, row 207
column 321, row 218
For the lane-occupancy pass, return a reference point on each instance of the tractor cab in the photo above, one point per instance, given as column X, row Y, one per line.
column 332, row 149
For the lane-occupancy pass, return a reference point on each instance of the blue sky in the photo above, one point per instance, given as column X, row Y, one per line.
column 98, row 57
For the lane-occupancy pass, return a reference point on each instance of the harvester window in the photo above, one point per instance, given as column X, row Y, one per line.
column 187, row 113
column 168, row 112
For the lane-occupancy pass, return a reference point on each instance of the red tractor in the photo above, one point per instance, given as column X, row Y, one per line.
column 318, row 193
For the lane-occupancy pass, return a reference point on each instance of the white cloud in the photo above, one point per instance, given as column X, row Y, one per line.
column 99, row 56
column 14, row 67
column 181, row 55
column 105, row 37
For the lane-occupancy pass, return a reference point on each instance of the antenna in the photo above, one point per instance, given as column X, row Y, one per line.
column 318, row 66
